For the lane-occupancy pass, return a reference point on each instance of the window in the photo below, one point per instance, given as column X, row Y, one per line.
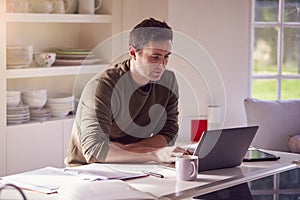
column 276, row 49
column 283, row 186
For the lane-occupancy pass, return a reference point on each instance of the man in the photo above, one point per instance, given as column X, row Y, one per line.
column 129, row 113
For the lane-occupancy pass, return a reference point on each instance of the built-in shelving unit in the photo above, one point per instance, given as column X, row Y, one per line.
column 53, row 71
column 57, row 18
column 43, row 30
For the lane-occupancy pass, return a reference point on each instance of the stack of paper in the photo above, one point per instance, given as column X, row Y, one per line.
column 49, row 179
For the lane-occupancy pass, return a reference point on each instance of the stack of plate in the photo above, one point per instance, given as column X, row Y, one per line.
column 19, row 56
column 60, row 104
column 69, row 57
column 40, row 114
column 18, row 114
column 13, row 98
column 35, row 98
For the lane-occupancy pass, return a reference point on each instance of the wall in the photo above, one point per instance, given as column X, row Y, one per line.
column 222, row 29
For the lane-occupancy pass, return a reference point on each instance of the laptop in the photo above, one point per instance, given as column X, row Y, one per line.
column 223, row 148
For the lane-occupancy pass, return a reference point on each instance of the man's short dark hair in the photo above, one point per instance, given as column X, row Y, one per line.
column 149, row 30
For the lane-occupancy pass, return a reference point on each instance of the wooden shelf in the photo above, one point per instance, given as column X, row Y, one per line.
column 57, row 18
column 53, row 71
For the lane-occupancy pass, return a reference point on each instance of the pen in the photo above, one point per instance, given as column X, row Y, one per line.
column 153, row 174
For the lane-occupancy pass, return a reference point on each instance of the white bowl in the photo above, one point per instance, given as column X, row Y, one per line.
column 34, row 102
column 60, row 98
column 60, row 106
column 35, row 93
column 59, row 113
column 13, row 93
column 44, row 59
column 12, row 102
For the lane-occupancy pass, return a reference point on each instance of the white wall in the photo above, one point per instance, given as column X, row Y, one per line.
column 222, row 28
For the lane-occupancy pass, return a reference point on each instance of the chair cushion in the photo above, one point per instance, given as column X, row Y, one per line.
column 294, row 143
column 277, row 121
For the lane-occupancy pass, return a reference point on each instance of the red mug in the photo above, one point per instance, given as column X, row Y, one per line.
column 198, row 126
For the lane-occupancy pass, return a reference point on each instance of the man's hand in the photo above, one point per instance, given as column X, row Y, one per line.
column 168, row 154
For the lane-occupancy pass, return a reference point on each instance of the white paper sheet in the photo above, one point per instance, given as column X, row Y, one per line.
column 49, row 179
column 95, row 190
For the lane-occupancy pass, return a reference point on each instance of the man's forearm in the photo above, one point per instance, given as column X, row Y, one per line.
column 132, row 152
column 157, row 141
column 120, row 153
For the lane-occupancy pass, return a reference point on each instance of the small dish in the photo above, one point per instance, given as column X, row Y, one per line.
column 44, row 59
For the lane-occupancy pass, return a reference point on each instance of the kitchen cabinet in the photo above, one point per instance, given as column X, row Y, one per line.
column 31, row 146
column 36, row 144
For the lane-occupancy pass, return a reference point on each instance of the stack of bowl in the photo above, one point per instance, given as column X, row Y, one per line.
column 60, row 104
column 35, row 98
column 19, row 56
column 13, row 98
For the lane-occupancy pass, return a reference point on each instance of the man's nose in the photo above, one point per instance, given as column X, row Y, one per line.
column 163, row 62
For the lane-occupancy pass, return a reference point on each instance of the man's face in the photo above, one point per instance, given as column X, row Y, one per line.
column 151, row 61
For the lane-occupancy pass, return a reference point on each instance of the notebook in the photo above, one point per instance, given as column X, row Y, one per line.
column 223, row 148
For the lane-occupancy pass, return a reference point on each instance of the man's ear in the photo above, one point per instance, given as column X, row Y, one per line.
column 132, row 52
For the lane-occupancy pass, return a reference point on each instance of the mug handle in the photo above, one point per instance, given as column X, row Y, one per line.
column 99, row 4
column 194, row 169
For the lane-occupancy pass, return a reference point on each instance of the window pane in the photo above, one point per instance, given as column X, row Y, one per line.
column 289, row 196
column 264, row 89
column 290, row 89
column 290, row 179
column 265, row 51
column 291, row 55
column 266, row 10
column 262, row 197
column 291, row 10
column 266, row 183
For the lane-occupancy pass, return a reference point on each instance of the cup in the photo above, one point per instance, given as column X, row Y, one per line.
column 17, row 6
column 71, row 6
column 88, row 6
column 186, row 167
column 58, row 6
column 214, row 117
column 41, row 6
column 198, row 126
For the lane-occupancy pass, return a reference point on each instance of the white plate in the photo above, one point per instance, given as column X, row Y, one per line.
column 18, row 108
column 69, row 62
column 15, row 66
column 18, row 115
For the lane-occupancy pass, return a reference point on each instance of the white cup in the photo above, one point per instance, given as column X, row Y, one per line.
column 17, row 6
column 41, row 6
column 186, row 167
column 58, row 6
column 214, row 117
column 88, row 6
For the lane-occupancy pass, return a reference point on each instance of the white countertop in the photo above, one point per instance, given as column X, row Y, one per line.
column 206, row 182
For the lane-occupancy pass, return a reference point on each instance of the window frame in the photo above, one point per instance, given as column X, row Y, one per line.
column 281, row 25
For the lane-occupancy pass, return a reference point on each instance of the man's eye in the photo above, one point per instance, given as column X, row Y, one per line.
column 155, row 57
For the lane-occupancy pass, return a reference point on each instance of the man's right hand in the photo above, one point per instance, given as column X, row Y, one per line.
column 168, row 154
